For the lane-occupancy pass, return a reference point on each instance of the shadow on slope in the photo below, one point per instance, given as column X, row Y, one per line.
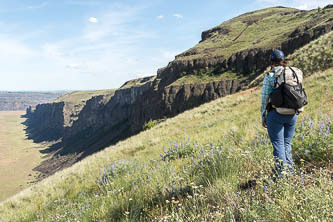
column 67, row 152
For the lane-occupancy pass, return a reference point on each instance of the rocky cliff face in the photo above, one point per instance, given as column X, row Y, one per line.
column 246, row 61
column 179, row 98
column 104, row 120
column 45, row 122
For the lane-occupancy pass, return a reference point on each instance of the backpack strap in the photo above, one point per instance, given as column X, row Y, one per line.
column 294, row 73
column 284, row 78
column 284, row 75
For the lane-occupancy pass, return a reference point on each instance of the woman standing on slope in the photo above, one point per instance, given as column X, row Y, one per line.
column 280, row 122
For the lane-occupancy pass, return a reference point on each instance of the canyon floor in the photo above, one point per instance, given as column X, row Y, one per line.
column 18, row 155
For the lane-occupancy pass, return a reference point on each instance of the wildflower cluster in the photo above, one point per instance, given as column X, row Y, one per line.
column 314, row 139
column 179, row 150
column 212, row 162
column 113, row 170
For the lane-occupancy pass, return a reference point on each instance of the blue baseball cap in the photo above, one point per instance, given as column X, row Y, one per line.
column 277, row 56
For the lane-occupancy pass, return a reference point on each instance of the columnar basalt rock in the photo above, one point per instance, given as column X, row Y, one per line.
column 45, row 122
column 245, row 61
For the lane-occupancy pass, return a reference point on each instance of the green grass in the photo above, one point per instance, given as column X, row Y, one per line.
column 78, row 97
column 314, row 57
column 266, row 28
column 137, row 82
column 18, row 155
column 195, row 180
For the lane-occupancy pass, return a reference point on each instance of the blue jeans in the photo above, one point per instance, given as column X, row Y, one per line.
column 281, row 129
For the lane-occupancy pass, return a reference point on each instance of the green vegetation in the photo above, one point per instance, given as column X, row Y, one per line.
column 263, row 29
column 18, row 155
column 315, row 56
column 212, row 163
column 78, row 97
column 137, row 82
column 150, row 124
column 203, row 174
column 266, row 28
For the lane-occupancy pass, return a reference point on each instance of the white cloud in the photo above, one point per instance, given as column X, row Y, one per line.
column 303, row 7
column 93, row 20
column 52, row 50
column 179, row 16
column 103, row 55
column 74, row 66
column 114, row 22
column 160, row 17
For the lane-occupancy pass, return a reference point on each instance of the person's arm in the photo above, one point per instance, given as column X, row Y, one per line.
column 267, row 88
column 265, row 94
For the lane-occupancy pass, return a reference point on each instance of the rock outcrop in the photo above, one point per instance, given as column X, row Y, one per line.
column 246, row 61
column 45, row 122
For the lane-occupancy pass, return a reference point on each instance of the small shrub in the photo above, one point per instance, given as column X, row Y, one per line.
column 181, row 150
column 150, row 124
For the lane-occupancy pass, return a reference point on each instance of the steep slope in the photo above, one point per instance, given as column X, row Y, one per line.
column 204, row 172
column 193, row 78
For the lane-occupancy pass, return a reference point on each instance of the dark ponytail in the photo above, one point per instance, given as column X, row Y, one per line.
column 283, row 63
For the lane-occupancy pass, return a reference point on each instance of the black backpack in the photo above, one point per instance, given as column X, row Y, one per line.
column 287, row 95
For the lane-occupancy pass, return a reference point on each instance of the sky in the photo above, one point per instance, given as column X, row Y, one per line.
column 88, row 45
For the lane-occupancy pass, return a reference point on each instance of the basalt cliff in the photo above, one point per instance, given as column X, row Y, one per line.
column 227, row 58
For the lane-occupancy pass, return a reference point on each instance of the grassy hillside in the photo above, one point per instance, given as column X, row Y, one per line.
column 313, row 57
column 266, row 28
column 78, row 97
column 212, row 163
column 18, row 155
column 137, row 82
column 254, row 32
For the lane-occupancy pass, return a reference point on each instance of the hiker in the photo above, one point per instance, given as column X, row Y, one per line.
column 280, row 122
